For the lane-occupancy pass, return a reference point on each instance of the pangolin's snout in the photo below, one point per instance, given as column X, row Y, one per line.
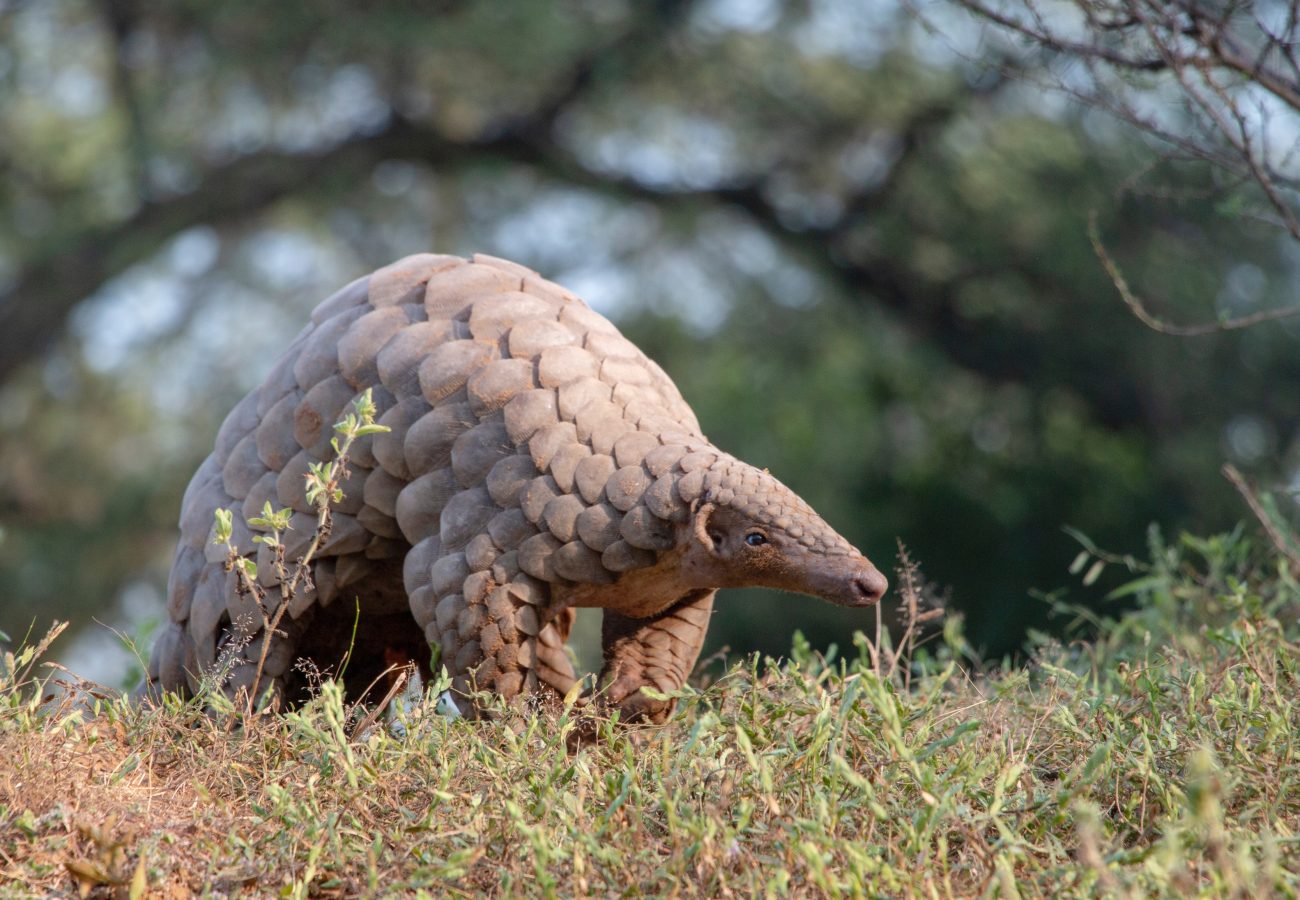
column 868, row 586
column 845, row 580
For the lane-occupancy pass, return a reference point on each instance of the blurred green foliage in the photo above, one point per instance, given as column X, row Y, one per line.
column 859, row 247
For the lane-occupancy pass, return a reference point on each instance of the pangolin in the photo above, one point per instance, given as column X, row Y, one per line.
column 537, row 462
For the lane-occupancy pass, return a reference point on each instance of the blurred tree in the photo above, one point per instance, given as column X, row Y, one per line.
column 857, row 239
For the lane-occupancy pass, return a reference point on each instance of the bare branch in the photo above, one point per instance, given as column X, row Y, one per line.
column 1049, row 41
column 1229, row 52
column 1285, row 545
column 1210, row 53
column 1132, row 301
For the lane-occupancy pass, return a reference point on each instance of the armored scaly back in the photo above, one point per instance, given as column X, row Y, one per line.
column 537, row 461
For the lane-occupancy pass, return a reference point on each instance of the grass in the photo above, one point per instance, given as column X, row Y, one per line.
column 1158, row 758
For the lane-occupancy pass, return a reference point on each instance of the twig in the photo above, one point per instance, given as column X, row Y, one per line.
column 1057, row 44
column 1219, row 57
column 322, row 489
column 1280, row 541
column 1134, row 303
column 403, row 675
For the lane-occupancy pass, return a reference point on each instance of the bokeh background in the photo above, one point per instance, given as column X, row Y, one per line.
column 855, row 232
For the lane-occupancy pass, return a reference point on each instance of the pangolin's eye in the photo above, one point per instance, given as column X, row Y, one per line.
column 755, row 539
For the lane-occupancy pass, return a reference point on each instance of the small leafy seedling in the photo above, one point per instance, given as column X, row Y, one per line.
column 324, row 489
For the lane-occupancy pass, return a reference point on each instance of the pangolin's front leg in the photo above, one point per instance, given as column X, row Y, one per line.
column 657, row 652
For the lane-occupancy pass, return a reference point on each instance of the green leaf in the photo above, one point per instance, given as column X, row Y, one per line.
column 317, row 477
column 1082, row 538
column 1095, row 572
column 1095, row 760
column 225, row 519
column 365, row 406
column 270, row 519
column 1079, row 562
column 947, row 741
column 364, row 430
column 1137, row 586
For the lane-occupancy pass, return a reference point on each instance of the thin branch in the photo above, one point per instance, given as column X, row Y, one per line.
column 1230, row 54
column 1284, row 545
column 1139, row 309
column 1182, row 39
column 1056, row 44
column 1205, row 52
column 398, row 677
column 1236, row 133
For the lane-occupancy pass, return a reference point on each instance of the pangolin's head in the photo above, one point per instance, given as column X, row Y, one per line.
column 750, row 530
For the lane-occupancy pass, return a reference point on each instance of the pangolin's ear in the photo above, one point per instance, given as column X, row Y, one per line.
column 703, row 513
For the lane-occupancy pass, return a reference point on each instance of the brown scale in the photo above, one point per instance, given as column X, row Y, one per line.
column 536, row 462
